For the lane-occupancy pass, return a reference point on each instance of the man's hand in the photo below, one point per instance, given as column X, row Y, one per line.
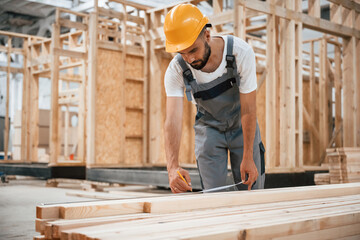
column 177, row 185
column 248, row 168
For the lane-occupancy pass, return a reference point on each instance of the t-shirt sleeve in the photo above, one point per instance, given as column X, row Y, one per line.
column 173, row 81
column 247, row 71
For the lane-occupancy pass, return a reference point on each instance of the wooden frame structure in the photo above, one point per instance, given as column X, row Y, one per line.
column 118, row 60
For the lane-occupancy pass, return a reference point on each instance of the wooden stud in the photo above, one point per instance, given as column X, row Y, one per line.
column 239, row 20
column 349, row 105
column 298, row 90
column 272, row 130
column 55, row 113
column 92, row 68
column 24, row 110
column 7, row 123
column 155, row 96
column 314, row 8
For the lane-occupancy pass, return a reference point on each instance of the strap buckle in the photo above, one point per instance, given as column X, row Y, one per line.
column 230, row 61
column 188, row 75
column 188, row 92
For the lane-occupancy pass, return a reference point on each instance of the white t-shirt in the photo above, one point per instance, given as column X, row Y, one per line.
column 246, row 67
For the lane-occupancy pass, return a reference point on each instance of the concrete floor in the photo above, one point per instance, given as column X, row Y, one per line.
column 18, row 200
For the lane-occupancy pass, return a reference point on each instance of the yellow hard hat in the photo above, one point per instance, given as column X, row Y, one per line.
column 182, row 26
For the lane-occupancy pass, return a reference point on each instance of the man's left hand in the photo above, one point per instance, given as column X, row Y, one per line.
column 248, row 168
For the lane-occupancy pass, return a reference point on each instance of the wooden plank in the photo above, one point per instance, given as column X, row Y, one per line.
column 298, row 89
column 323, row 97
column 314, row 8
column 91, row 88
column 120, row 16
column 24, row 109
column 70, row 53
column 72, row 24
column 350, row 4
column 267, row 210
column 287, row 92
column 186, row 225
column 12, row 69
column 7, row 123
column 54, row 113
column 320, row 25
column 357, row 100
column 272, row 130
column 34, row 111
column 155, row 96
column 239, row 20
column 348, row 106
column 270, row 195
column 337, row 83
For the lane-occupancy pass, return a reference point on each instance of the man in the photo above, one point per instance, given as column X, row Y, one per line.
column 219, row 75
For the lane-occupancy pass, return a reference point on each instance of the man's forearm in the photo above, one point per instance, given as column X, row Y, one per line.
column 248, row 122
column 172, row 143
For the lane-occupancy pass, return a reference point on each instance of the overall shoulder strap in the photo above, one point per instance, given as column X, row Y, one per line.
column 187, row 76
column 230, row 58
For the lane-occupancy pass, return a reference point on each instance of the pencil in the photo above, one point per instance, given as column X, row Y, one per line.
column 182, row 178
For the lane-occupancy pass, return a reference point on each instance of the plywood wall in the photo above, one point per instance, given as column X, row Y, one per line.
column 108, row 105
column 109, row 130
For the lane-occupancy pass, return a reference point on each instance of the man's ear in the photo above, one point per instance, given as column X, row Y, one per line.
column 207, row 35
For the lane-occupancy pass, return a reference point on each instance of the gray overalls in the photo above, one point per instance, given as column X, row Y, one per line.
column 218, row 126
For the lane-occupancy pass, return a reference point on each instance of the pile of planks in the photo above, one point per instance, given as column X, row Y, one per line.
column 344, row 166
column 315, row 212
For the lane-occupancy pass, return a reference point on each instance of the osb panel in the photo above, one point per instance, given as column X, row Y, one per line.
column 134, row 123
column 134, row 94
column 134, row 67
column 108, row 104
column 133, row 151
column 261, row 109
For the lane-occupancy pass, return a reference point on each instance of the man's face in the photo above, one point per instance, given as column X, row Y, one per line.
column 197, row 55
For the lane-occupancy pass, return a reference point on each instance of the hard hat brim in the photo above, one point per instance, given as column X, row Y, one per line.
column 176, row 47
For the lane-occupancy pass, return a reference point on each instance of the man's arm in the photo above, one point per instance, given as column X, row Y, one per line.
column 172, row 130
column 248, row 122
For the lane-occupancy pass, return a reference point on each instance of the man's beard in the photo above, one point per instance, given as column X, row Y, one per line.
column 199, row 64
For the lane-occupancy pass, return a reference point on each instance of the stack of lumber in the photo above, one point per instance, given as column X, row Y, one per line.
column 322, row 178
column 344, row 166
column 313, row 212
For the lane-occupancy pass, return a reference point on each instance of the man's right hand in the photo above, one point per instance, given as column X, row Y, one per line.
column 177, row 185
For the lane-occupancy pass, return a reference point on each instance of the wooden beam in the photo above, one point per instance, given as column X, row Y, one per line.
column 155, row 95
column 71, row 24
column 323, row 97
column 349, row 4
column 272, row 107
column 91, row 87
column 120, row 16
column 54, row 112
column 287, row 92
column 218, row 8
column 24, row 109
column 320, row 25
column 337, row 83
column 349, row 105
column 314, row 8
column 7, row 123
column 133, row 4
column 239, row 20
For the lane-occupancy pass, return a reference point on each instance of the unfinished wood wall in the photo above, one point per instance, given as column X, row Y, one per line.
column 123, row 98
